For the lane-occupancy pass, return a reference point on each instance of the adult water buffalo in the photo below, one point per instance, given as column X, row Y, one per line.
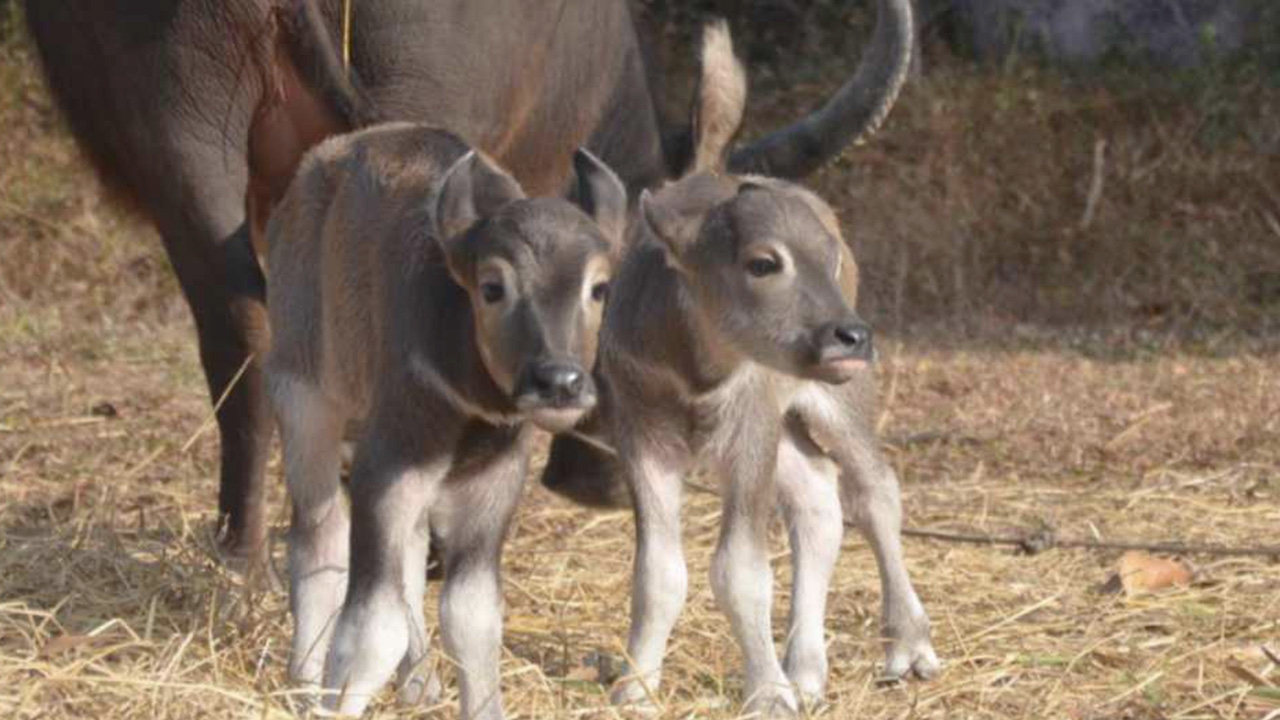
column 179, row 103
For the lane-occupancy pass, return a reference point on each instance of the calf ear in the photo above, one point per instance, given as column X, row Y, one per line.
column 472, row 188
column 671, row 224
column 601, row 195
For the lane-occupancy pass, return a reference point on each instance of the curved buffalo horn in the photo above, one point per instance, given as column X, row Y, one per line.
column 855, row 112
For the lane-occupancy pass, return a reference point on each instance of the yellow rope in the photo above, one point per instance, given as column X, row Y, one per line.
column 346, row 35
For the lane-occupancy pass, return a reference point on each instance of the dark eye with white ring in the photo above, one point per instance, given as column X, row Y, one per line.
column 600, row 291
column 763, row 266
column 492, row 292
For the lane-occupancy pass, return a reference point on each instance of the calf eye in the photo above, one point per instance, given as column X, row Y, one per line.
column 600, row 291
column 762, row 266
column 492, row 292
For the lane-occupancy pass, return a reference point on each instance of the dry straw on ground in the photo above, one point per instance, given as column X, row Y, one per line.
column 1134, row 426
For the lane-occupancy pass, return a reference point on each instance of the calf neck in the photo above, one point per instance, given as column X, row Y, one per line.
column 416, row 289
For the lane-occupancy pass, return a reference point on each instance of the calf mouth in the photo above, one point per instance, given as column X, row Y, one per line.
column 842, row 350
column 554, row 395
column 556, row 420
column 840, row 370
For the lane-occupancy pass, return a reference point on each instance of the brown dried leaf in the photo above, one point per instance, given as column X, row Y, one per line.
column 64, row 643
column 1140, row 572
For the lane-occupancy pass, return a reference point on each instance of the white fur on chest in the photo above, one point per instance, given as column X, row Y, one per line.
column 752, row 394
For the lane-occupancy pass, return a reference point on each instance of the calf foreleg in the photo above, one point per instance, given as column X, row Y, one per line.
column 810, row 499
column 741, row 576
column 660, row 578
column 840, row 419
column 393, row 482
column 472, row 518
column 870, row 489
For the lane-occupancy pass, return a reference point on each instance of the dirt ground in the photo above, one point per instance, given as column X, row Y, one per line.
column 1140, row 406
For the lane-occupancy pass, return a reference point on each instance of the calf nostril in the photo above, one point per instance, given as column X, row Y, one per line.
column 853, row 335
column 558, row 381
column 570, row 380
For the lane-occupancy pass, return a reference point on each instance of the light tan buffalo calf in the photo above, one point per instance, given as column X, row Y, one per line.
column 414, row 288
column 731, row 342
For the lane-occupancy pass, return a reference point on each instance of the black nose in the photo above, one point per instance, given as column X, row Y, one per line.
column 557, row 383
column 853, row 335
column 845, row 339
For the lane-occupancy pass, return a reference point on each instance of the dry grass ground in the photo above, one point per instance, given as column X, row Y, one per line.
column 1038, row 373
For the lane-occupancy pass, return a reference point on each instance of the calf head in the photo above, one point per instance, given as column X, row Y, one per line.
column 537, row 274
column 763, row 258
column 764, row 262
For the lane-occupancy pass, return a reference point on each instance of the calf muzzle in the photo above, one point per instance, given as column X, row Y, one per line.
column 555, row 394
column 842, row 348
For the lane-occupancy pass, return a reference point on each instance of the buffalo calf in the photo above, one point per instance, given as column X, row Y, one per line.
column 731, row 341
column 414, row 288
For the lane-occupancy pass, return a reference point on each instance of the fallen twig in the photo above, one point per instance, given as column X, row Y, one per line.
column 1041, row 540
column 1096, row 185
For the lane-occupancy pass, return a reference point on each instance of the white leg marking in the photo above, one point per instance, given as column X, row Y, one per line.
column 742, row 581
column 371, row 639
column 807, row 485
column 414, row 680
column 471, row 628
column 873, row 501
column 474, row 515
column 311, row 433
column 378, row 624
column 870, row 496
column 659, row 582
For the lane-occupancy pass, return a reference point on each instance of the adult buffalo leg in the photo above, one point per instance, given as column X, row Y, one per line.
column 160, row 95
column 225, row 290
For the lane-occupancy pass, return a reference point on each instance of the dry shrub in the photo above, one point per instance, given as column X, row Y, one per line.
column 977, row 200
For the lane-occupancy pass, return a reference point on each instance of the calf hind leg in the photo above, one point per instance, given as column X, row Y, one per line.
column 416, row 683
column 311, row 431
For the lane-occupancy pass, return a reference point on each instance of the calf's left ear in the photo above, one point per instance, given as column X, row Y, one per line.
column 601, row 195
column 472, row 188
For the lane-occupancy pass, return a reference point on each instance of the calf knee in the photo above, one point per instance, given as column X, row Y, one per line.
column 740, row 576
column 878, row 502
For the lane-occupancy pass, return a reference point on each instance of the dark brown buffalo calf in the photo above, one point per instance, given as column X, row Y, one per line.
column 416, row 289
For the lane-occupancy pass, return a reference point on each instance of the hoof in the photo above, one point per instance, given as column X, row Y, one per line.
column 633, row 697
column 808, row 676
column 911, row 660
column 250, row 560
column 420, row 688
column 773, row 702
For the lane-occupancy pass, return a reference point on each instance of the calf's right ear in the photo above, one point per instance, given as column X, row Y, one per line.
column 472, row 188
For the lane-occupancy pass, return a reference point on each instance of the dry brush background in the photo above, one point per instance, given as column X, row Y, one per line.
column 1104, row 367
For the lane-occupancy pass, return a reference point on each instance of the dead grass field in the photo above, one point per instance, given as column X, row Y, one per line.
column 1113, row 379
